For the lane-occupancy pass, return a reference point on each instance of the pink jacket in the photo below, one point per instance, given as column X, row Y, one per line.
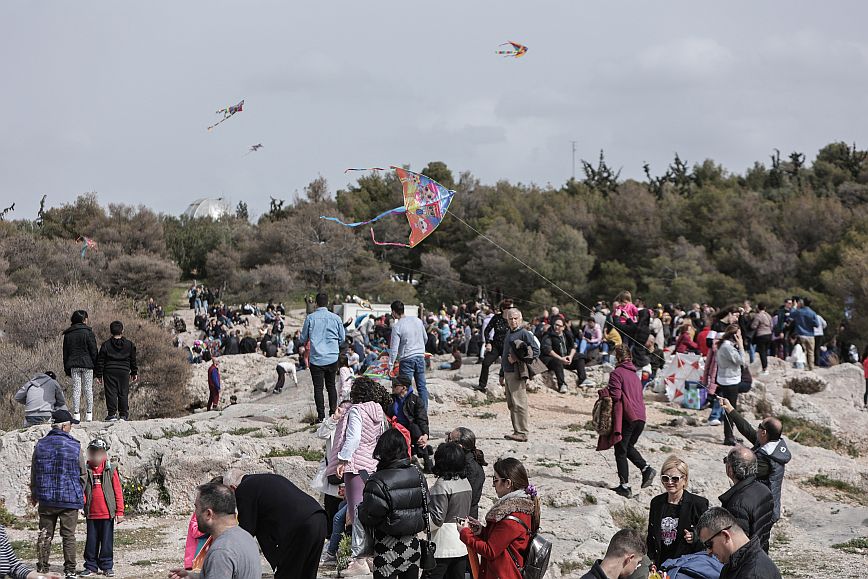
column 193, row 536
column 372, row 426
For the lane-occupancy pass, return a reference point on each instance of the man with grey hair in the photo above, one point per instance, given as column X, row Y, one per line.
column 513, row 381
column 742, row 557
column 749, row 501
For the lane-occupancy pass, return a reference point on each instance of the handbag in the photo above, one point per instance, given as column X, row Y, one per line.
column 427, row 562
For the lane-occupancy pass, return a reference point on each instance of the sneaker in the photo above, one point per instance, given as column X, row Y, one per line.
column 588, row 382
column 328, row 559
column 764, row 373
column 275, row 391
column 112, row 418
column 109, row 572
column 357, row 568
column 648, row 477
column 76, row 415
column 516, row 437
column 479, row 388
column 88, row 417
column 714, row 422
column 87, row 573
column 623, row 491
column 563, row 389
column 729, row 443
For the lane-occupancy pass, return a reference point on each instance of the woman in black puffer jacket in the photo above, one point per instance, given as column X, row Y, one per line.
column 393, row 506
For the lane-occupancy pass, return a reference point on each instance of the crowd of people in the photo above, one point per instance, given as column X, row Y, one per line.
column 377, row 440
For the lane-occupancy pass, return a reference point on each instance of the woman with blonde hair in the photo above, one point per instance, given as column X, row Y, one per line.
column 672, row 520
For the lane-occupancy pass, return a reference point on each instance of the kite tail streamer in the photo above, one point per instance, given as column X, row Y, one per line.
column 369, row 169
column 387, row 243
column 395, row 211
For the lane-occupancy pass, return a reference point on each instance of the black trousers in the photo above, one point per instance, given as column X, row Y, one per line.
column 117, row 393
column 451, row 568
column 489, row 359
column 557, row 367
column 98, row 548
column 301, row 554
column 324, row 376
column 411, row 573
column 731, row 394
column 762, row 344
column 626, row 449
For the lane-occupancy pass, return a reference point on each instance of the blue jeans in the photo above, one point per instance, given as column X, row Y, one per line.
column 338, row 524
column 716, row 410
column 415, row 368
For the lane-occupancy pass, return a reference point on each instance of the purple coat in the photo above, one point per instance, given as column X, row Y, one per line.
column 626, row 388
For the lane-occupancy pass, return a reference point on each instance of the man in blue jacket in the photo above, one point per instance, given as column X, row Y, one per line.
column 56, row 486
column 804, row 322
column 326, row 333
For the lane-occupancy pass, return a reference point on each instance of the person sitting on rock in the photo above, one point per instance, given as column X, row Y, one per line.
column 408, row 410
column 770, row 449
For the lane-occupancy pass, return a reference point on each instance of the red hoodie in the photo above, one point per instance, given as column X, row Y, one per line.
column 98, row 508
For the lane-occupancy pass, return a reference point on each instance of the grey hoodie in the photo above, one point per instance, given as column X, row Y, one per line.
column 41, row 396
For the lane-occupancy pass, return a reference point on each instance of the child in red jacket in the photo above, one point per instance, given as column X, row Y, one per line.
column 103, row 504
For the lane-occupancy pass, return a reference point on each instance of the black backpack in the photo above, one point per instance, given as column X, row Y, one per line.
column 536, row 561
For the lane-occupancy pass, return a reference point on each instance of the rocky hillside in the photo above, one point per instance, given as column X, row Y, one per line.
column 824, row 500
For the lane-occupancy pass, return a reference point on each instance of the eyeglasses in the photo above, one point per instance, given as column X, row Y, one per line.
column 761, row 426
column 710, row 542
column 496, row 480
column 669, row 479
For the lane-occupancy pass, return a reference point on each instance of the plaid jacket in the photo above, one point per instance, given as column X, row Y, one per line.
column 56, row 471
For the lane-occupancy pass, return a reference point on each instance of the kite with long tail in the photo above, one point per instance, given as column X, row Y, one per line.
column 227, row 112
column 425, row 204
column 517, row 50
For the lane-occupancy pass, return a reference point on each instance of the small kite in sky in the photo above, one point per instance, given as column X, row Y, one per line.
column 228, row 112
column 517, row 50
column 253, row 149
column 425, row 204
column 86, row 243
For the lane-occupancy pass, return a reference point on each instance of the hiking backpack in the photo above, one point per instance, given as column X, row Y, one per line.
column 601, row 417
column 536, row 560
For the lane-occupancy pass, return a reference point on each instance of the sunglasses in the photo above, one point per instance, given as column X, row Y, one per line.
column 669, row 479
column 761, row 426
column 710, row 542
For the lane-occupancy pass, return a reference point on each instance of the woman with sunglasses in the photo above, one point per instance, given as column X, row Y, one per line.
column 674, row 514
column 504, row 540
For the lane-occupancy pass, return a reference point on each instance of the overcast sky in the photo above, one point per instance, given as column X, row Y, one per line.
column 114, row 97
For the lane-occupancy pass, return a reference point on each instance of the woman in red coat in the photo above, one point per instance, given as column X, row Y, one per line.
column 503, row 542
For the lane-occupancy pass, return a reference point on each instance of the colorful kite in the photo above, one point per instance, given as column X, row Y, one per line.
column 228, row 112
column 425, row 204
column 517, row 50
column 86, row 243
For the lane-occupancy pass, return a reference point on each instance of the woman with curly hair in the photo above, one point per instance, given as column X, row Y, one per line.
column 504, row 540
column 351, row 457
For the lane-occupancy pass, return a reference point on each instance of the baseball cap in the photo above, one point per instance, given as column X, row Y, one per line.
column 98, row 444
column 60, row 416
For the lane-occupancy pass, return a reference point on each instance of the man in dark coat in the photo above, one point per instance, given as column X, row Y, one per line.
column 116, row 367
column 749, row 501
column 409, row 411
column 742, row 557
column 769, row 447
column 288, row 523
column 79, row 359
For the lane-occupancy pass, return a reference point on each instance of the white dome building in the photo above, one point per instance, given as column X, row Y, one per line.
column 215, row 208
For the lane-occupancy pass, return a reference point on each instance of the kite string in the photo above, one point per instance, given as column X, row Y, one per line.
column 550, row 282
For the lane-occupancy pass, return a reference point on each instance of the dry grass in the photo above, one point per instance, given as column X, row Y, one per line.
column 33, row 342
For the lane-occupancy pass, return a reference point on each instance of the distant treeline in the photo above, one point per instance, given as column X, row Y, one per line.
column 687, row 233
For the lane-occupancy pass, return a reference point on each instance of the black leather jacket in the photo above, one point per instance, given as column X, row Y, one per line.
column 393, row 501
